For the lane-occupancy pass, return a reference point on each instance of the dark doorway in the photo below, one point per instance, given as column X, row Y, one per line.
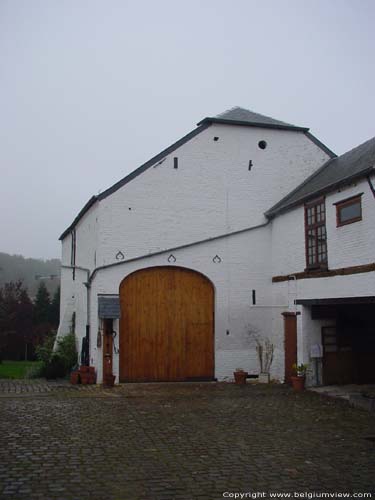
column 349, row 347
column 290, row 340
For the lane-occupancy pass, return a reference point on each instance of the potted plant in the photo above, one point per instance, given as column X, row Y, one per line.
column 265, row 351
column 299, row 377
column 109, row 380
column 240, row 376
column 75, row 377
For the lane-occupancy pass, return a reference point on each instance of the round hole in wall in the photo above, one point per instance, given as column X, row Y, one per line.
column 262, row 144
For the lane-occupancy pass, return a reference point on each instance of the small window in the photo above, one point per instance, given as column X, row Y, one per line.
column 262, row 144
column 349, row 210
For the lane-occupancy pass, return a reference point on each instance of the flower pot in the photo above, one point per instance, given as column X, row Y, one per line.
column 298, row 383
column 75, row 378
column 264, row 378
column 85, row 378
column 240, row 377
column 109, row 380
column 84, row 369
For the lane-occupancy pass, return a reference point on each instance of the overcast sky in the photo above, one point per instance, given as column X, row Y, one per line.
column 91, row 89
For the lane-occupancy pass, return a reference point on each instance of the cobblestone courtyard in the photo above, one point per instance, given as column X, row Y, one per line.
column 178, row 441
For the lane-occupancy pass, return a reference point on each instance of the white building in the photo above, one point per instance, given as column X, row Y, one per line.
column 193, row 256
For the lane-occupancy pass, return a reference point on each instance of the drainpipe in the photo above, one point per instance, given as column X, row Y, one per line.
column 87, row 342
column 294, row 278
column 85, row 351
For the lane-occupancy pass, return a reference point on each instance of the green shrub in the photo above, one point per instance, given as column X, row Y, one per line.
column 44, row 351
column 59, row 362
column 67, row 351
column 55, row 368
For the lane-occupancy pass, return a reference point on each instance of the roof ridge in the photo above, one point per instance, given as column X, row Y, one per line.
column 230, row 109
column 246, row 117
column 255, row 113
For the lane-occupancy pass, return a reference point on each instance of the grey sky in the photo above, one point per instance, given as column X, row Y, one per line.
column 89, row 90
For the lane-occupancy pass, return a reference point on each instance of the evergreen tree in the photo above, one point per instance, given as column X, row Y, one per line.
column 16, row 315
column 55, row 309
column 42, row 305
column 24, row 323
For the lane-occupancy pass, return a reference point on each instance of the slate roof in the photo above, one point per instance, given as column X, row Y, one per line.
column 241, row 116
column 357, row 162
column 109, row 307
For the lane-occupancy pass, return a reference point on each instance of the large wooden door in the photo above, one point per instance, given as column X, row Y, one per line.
column 166, row 325
column 290, row 344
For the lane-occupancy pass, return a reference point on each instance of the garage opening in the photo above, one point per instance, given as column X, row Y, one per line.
column 349, row 342
column 166, row 326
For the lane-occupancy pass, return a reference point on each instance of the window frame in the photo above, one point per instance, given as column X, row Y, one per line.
column 316, row 265
column 345, row 203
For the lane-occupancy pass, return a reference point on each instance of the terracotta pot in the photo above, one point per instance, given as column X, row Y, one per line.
column 109, row 380
column 84, row 369
column 85, row 378
column 240, row 377
column 92, row 369
column 75, row 378
column 298, row 383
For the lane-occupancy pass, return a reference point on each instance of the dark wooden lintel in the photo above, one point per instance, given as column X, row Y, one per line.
column 343, row 271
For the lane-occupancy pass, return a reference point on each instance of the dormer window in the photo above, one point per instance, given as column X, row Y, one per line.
column 315, row 234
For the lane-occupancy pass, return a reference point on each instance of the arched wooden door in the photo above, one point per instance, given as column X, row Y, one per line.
column 166, row 325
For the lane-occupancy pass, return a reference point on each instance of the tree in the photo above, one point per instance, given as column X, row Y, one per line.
column 24, row 323
column 42, row 305
column 55, row 309
column 16, row 325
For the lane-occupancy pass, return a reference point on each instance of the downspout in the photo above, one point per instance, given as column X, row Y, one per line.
column 294, row 278
column 87, row 343
column 85, row 351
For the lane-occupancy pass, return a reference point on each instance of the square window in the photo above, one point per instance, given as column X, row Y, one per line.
column 349, row 210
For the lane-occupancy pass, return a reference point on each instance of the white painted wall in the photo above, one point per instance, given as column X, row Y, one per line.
column 87, row 231
column 352, row 244
column 349, row 245
column 212, row 192
column 243, row 268
column 67, row 286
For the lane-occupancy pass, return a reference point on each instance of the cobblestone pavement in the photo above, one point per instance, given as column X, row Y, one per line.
column 179, row 441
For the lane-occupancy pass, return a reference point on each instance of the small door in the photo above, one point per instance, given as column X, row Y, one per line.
column 107, row 347
column 290, row 340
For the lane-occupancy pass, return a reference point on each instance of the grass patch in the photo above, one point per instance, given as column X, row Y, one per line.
column 16, row 369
